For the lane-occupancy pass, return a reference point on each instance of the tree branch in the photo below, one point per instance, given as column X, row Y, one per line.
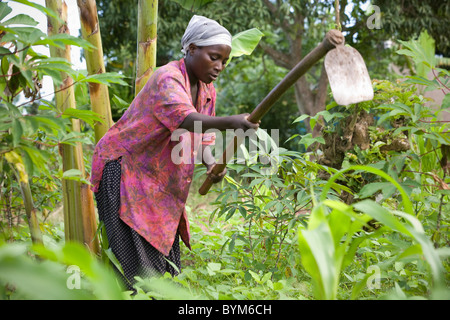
column 280, row 59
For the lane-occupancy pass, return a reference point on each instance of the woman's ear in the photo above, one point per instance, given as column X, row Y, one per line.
column 191, row 49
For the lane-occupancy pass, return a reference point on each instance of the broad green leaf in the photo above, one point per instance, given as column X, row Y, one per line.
column 382, row 215
column 104, row 283
column 49, row 122
column 369, row 189
column 85, row 115
column 46, row 280
column 20, row 19
column 103, row 78
column 43, row 9
column 4, row 10
column 339, row 220
column 26, row 35
column 301, row 118
column 245, row 42
column 16, row 132
column 72, row 173
column 255, row 276
column 119, row 102
column 213, row 267
column 406, row 201
column 308, row 140
column 62, row 39
column 35, row 159
column 422, row 51
column 416, row 233
column 318, row 259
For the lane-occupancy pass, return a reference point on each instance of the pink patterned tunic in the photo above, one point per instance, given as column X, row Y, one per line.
column 154, row 188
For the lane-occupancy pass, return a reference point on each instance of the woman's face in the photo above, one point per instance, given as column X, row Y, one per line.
column 206, row 63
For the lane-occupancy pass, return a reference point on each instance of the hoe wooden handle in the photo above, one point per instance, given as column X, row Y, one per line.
column 331, row 40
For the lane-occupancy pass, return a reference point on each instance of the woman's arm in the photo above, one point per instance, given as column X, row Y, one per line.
column 238, row 121
column 220, row 123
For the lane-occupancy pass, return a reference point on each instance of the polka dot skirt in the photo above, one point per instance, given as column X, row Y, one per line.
column 136, row 256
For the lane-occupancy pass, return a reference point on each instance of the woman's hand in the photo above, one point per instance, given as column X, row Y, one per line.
column 240, row 121
column 215, row 177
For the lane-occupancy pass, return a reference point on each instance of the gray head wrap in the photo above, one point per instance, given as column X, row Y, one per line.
column 202, row 31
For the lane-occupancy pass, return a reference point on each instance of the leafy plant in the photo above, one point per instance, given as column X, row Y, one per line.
column 32, row 129
column 59, row 273
column 329, row 242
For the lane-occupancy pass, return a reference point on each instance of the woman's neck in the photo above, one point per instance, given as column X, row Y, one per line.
column 193, row 81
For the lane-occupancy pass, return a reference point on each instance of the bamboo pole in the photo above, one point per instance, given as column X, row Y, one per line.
column 146, row 39
column 99, row 93
column 79, row 211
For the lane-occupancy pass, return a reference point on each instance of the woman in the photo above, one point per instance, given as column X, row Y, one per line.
column 140, row 191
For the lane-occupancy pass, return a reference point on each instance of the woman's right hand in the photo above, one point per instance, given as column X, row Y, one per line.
column 240, row 121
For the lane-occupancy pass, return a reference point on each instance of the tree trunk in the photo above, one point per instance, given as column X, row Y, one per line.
column 17, row 166
column 79, row 212
column 30, row 210
column 99, row 93
column 146, row 39
column 310, row 102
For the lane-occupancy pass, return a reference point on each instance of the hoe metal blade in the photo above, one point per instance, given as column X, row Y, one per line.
column 348, row 76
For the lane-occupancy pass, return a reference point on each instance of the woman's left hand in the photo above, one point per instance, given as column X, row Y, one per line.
column 215, row 177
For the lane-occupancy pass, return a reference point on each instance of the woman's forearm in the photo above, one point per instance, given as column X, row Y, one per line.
column 208, row 122
column 238, row 121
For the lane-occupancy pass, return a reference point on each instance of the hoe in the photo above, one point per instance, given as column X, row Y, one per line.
column 347, row 75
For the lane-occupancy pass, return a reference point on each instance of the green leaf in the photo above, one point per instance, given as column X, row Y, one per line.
column 308, row 140
column 382, row 215
column 317, row 252
column 4, row 10
column 36, row 159
column 46, row 280
column 103, row 78
column 301, row 118
column 406, row 201
column 71, row 173
column 369, row 189
column 85, row 115
column 213, row 267
column 245, row 42
column 62, row 39
column 21, row 19
column 243, row 211
column 43, row 9
column 16, row 132
column 422, row 51
column 120, row 103
column 255, row 276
